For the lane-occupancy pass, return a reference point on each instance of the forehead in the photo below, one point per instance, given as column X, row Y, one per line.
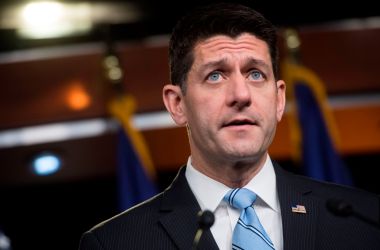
column 219, row 46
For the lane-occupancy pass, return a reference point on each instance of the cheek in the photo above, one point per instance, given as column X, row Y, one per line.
column 268, row 108
column 266, row 101
column 205, row 106
column 201, row 115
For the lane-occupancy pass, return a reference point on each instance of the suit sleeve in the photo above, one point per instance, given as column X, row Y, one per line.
column 89, row 242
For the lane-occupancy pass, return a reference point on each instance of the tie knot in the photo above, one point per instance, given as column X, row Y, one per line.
column 240, row 198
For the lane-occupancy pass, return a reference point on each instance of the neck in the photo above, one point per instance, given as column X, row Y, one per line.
column 231, row 174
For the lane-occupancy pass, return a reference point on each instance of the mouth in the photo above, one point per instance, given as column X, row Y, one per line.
column 240, row 123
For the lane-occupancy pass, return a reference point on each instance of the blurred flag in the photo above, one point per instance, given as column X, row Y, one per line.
column 312, row 125
column 135, row 167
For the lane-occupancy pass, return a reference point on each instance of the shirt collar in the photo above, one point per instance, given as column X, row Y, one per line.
column 264, row 185
column 210, row 193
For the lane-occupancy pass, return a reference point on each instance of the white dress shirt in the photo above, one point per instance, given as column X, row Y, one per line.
column 209, row 194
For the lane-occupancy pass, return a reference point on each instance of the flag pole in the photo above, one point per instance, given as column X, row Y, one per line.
column 313, row 132
column 135, row 170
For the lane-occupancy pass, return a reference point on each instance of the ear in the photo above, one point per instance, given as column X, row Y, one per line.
column 173, row 100
column 281, row 100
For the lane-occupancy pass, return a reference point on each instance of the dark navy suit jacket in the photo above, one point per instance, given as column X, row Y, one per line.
column 169, row 220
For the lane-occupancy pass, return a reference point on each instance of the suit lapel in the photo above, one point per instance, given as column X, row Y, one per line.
column 179, row 210
column 299, row 229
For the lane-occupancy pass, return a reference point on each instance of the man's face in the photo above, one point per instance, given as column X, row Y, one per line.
column 232, row 102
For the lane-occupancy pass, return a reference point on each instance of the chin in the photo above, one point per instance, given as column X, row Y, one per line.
column 243, row 154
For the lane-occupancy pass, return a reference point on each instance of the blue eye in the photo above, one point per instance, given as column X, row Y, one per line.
column 215, row 76
column 256, row 75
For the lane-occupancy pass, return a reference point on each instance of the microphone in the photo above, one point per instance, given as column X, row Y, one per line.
column 341, row 208
column 205, row 221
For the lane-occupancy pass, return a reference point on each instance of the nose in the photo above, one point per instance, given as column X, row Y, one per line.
column 238, row 93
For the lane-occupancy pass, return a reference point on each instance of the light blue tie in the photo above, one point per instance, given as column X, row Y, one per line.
column 248, row 232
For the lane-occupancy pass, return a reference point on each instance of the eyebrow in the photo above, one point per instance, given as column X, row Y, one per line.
column 213, row 64
column 247, row 63
column 258, row 63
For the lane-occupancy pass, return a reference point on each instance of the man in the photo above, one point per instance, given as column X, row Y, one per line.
column 225, row 89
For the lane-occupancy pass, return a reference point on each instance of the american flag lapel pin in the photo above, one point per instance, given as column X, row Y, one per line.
column 299, row 209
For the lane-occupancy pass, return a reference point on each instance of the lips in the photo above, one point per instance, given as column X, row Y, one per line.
column 239, row 122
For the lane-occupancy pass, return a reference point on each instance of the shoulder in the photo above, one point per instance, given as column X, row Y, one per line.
column 142, row 226
column 143, row 213
column 150, row 211
column 130, row 228
column 348, row 230
column 329, row 189
column 322, row 191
